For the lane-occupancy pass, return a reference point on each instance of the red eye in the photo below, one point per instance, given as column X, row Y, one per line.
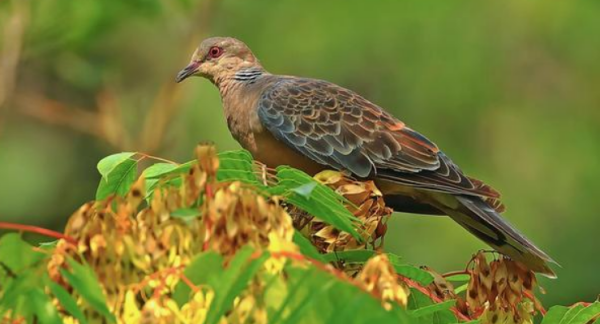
column 215, row 52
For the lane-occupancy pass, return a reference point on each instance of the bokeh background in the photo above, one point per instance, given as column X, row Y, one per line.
column 509, row 89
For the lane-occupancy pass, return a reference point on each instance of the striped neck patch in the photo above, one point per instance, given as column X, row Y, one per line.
column 248, row 75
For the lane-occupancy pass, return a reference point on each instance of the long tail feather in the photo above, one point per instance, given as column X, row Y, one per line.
column 483, row 221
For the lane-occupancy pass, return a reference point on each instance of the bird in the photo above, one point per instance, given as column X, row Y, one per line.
column 315, row 125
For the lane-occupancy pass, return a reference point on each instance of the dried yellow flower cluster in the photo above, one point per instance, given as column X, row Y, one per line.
column 139, row 254
column 379, row 278
column 501, row 291
column 238, row 216
column 139, row 251
column 365, row 201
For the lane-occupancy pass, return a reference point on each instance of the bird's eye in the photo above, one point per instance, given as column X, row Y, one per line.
column 215, row 52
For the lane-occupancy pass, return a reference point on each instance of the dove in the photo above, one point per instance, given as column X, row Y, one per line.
column 315, row 125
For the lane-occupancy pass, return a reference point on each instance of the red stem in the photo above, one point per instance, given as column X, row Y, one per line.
column 434, row 298
column 37, row 230
column 536, row 303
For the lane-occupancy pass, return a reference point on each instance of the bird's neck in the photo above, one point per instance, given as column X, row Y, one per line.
column 239, row 79
column 240, row 93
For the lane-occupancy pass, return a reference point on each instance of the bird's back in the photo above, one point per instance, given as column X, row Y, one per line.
column 314, row 125
column 340, row 129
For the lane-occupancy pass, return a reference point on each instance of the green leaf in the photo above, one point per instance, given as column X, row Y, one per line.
column 233, row 281
column 118, row 180
column 186, row 213
column 423, row 277
column 300, row 189
column 199, row 271
column 17, row 254
column 461, row 288
column 458, row 277
column 207, row 269
column 12, row 293
column 297, row 312
column 555, row 314
column 315, row 296
column 323, row 202
column 307, row 248
column 351, row 256
column 237, row 166
column 84, row 281
column 292, row 289
column 305, row 190
column 158, row 170
column 586, row 314
column 394, row 259
column 428, row 312
column 578, row 314
column 430, row 309
column 571, row 314
column 17, row 291
column 165, row 173
column 108, row 164
column 183, row 168
column 164, row 182
column 44, row 310
column 67, row 301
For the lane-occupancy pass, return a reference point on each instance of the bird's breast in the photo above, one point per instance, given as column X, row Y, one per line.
column 241, row 110
column 268, row 150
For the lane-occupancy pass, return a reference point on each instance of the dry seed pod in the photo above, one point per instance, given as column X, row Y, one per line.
column 486, row 277
column 379, row 278
column 506, row 301
column 145, row 250
column 207, row 159
column 515, row 281
column 440, row 286
column 365, row 202
column 473, row 292
column 500, row 275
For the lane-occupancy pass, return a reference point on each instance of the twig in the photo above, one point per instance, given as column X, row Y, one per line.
column 434, row 298
column 37, row 230
column 455, row 273
column 145, row 155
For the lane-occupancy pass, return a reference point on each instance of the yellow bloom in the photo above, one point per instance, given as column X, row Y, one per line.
column 131, row 312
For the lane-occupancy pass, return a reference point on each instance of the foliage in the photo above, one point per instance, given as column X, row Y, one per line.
column 223, row 239
column 498, row 85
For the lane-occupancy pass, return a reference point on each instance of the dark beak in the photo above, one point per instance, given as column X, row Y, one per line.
column 187, row 71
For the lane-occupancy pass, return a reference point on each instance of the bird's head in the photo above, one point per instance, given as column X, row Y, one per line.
column 217, row 58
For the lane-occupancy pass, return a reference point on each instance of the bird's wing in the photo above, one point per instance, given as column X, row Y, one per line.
column 338, row 128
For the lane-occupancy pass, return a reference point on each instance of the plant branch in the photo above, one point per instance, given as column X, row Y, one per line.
column 455, row 273
column 37, row 230
column 411, row 283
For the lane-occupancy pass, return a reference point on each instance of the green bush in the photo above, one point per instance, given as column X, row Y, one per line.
column 213, row 241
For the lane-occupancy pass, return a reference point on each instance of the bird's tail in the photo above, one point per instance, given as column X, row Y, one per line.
column 483, row 221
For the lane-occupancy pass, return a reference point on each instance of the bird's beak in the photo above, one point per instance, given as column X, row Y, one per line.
column 188, row 71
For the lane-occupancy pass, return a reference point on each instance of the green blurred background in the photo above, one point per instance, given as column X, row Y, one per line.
column 509, row 89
